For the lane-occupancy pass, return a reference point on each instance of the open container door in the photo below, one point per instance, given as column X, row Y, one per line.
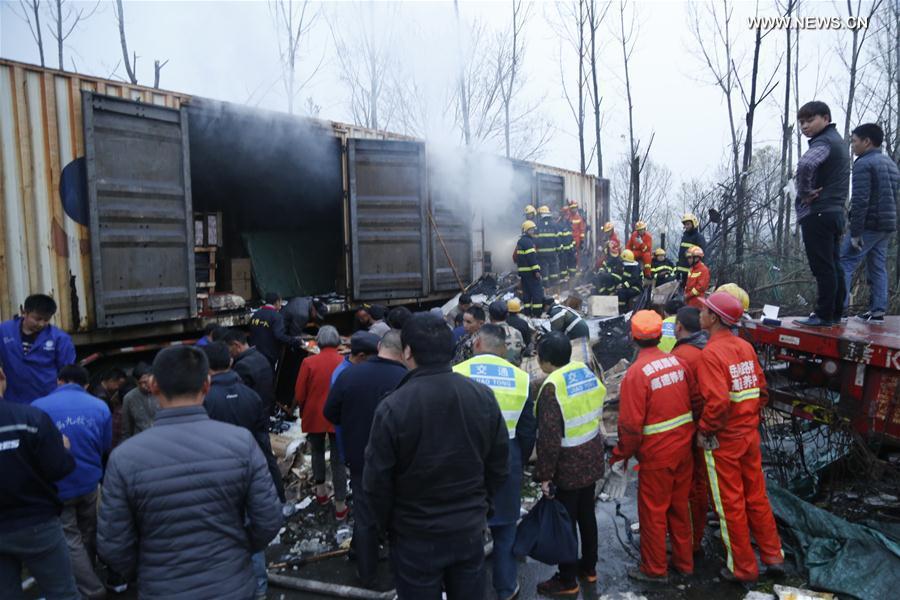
column 139, row 194
column 388, row 219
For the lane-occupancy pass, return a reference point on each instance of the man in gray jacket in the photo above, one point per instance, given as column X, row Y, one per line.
column 187, row 502
column 873, row 217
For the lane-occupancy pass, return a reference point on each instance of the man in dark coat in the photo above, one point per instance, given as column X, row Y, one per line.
column 691, row 237
column 253, row 368
column 230, row 401
column 267, row 333
column 186, row 503
column 300, row 311
column 32, row 457
column 873, row 218
column 823, row 184
column 351, row 405
column 437, row 454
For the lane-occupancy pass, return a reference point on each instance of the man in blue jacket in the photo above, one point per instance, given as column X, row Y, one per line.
column 873, row 217
column 32, row 351
column 351, row 405
column 87, row 422
column 32, row 457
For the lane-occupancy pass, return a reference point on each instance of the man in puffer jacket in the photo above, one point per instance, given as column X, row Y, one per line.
column 873, row 217
column 187, row 502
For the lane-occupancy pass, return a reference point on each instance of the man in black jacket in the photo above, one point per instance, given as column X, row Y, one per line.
column 230, row 401
column 351, row 405
column 690, row 238
column 253, row 368
column 823, row 184
column 437, row 453
column 267, row 332
column 32, row 457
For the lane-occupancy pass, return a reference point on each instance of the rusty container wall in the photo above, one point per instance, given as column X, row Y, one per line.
column 42, row 249
column 580, row 188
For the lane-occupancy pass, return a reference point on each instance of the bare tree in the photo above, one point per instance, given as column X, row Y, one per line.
column 595, row 18
column 293, row 21
column 65, row 17
column 787, row 125
column 130, row 62
column 462, row 97
column 157, row 69
column 626, row 37
column 30, row 12
column 857, row 41
column 366, row 63
column 512, row 51
column 569, row 24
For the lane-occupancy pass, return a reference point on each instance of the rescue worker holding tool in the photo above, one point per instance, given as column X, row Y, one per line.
column 547, row 242
column 733, row 389
column 697, row 281
column 529, row 270
column 510, row 386
column 567, row 266
column 641, row 245
column 661, row 268
column 690, row 237
column 656, row 426
column 605, row 242
column 570, row 452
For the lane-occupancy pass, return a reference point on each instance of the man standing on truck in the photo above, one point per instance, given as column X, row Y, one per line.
column 33, row 351
column 873, row 218
column 733, row 389
column 267, row 333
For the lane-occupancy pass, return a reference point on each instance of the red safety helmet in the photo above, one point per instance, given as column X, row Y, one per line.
column 727, row 307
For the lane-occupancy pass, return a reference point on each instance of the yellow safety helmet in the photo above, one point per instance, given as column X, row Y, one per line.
column 527, row 225
column 640, row 225
column 529, row 210
column 608, row 226
column 514, row 305
column 573, row 204
column 692, row 218
column 695, row 251
column 738, row 292
column 544, row 210
column 627, row 255
column 659, row 252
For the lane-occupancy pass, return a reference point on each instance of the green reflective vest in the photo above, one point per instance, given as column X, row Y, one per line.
column 667, row 341
column 509, row 384
column 580, row 395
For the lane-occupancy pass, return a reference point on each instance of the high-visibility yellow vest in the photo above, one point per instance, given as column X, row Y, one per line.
column 580, row 395
column 667, row 341
column 509, row 384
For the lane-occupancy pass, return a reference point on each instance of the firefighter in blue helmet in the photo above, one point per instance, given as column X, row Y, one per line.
column 529, row 270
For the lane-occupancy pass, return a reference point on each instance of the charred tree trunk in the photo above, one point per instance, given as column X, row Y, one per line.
column 129, row 66
column 785, row 142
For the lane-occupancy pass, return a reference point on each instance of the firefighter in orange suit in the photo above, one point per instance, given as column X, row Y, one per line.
column 733, row 387
column 641, row 243
column 607, row 240
column 697, row 281
column 656, row 425
column 578, row 225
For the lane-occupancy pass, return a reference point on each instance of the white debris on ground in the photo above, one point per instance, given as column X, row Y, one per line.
column 784, row 592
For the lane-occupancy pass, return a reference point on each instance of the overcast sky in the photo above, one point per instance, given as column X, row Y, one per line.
column 228, row 51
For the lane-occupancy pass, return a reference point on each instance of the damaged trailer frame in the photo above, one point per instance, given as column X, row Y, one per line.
column 99, row 181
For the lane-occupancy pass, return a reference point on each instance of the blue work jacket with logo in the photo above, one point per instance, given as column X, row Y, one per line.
column 33, row 375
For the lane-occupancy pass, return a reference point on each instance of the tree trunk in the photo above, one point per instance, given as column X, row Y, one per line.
column 59, row 33
column 594, row 26
column 581, row 84
column 128, row 66
column 785, row 141
column 748, row 154
column 37, row 28
column 463, row 100
column 634, row 194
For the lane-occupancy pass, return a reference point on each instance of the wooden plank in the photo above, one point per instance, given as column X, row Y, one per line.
column 5, row 308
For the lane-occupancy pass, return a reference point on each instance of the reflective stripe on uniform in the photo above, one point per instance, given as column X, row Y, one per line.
column 669, row 425
column 697, row 274
column 747, row 394
column 529, row 269
column 508, row 383
column 720, row 508
column 529, row 251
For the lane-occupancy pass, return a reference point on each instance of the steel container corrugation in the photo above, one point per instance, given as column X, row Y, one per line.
column 42, row 249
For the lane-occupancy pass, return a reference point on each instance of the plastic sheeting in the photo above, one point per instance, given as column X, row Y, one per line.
column 860, row 560
column 292, row 264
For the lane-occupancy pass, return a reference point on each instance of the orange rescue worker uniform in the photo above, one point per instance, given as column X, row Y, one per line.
column 578, row 225
column 697, row 281
column 656, row 425
column 641, row 244
column 689, row 350
column 733, row 387
column 610, row 244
